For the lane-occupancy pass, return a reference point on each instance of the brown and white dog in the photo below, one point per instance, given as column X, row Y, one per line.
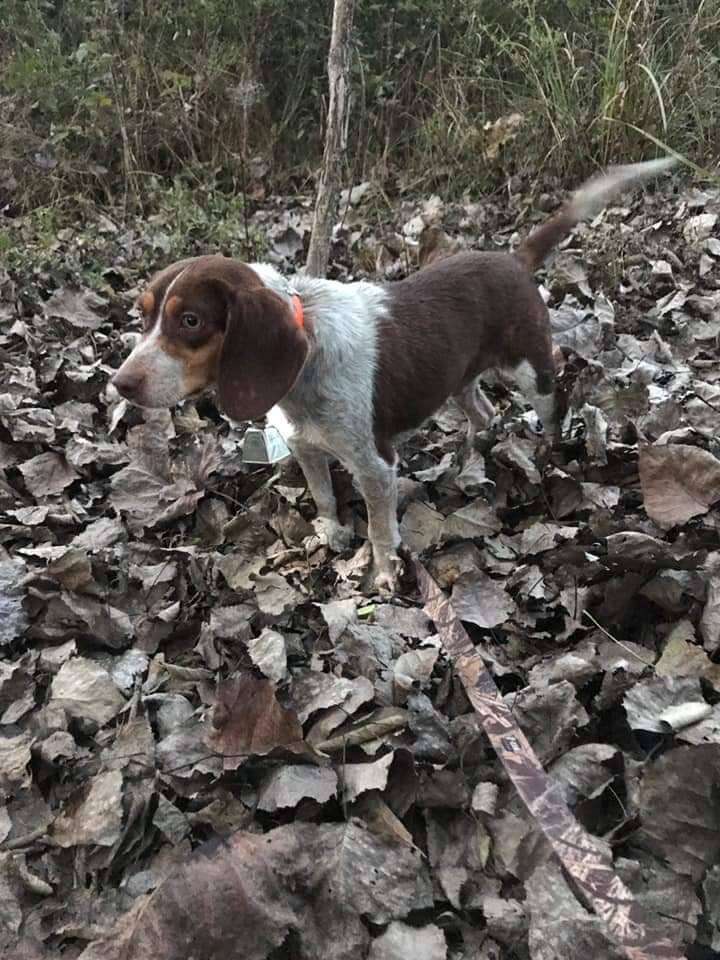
column 344, row 370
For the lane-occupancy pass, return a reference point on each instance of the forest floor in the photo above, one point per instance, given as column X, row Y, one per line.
column 181, row 663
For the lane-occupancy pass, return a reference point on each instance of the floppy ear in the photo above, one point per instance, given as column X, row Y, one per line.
column 262, row 354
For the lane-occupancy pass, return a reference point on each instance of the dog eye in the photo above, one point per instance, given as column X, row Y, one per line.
column 190, row 320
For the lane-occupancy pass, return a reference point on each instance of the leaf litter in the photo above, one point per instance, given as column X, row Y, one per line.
column 212, row 735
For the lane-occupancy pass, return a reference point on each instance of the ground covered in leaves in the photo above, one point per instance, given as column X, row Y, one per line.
column 214, row 741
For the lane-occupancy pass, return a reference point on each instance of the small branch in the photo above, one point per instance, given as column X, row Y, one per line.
column 627, row 649
column 335, row 138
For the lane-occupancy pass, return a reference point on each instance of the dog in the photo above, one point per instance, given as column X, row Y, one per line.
column 346, row 370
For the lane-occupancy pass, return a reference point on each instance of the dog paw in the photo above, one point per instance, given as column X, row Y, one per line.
column 330, row 533
column 387, row 574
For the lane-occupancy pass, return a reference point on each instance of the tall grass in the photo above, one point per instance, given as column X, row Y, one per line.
column 635, row 73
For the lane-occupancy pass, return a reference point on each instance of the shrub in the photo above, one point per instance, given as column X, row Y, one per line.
column 101, row 96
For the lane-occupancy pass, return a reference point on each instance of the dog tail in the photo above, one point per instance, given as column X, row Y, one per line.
column 588, row 201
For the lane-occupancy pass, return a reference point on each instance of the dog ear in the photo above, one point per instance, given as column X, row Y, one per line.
column 263, row 352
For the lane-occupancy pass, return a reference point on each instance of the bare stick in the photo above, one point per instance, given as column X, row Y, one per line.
column 335, row 138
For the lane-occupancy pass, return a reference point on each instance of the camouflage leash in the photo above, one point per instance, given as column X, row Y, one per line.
column 579, row 853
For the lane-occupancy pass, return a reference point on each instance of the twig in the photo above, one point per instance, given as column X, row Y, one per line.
column 618, row 642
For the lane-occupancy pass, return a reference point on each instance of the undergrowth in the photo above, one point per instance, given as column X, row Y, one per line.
column 107, row 249
column 113, row 99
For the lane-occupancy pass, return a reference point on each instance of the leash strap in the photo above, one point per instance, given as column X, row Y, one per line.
column 579, row 852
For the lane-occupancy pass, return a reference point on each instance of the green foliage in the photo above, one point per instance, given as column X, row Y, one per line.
column 187, row 216
column 110, row 93
column 197, row 216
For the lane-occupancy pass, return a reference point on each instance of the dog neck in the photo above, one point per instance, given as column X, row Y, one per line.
column 342, row 321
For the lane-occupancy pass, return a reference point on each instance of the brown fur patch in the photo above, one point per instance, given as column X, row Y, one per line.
column 146, row 303
column 199, row 362
column 447, row 324
column 172, row 307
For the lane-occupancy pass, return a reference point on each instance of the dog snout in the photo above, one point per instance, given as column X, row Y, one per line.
column 128, row 383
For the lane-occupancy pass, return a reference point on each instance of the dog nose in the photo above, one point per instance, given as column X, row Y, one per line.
column 127, row 383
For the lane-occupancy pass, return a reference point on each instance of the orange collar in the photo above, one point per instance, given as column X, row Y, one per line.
column 299, row 313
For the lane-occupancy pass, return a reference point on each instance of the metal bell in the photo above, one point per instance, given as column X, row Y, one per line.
column 264, row 446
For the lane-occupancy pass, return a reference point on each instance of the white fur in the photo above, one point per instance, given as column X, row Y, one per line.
column 543, row 403
column 330, row 408
column 276, row 418
column 598, row 191
column 331, row 405
column 164, row 381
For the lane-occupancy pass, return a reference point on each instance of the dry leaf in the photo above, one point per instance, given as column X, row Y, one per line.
column 400, row 941
column 14, row 760
column 477, row 598
column 357, row 778
column 86, row 691
column 678, row 482
column 46, row 474
column 247, row 720
column 420, row 527
column 287, row 785
column 93, row 814
column 78, row 307
column 268, row 654
column 686, row 831
column 647, row 702
column 315, row 880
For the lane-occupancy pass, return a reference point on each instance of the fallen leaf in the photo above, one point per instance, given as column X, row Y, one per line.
column 401, row 941
column 93, row 814
column 710, row 620
column 648, row 700
column 338, row 614
column 683, row 658
column 85, row 690
column 357, row 778
column 458, row 848
column 549, row 717
column 414, row 667
column 685, row 832
column 274, row 594
column 476, row 520
column 560, row 926
column 13, row 620
column 248, row 720
column 505, row 918
column 47, row 474
column 269, row 655
column 14, row 760
column 699, row 227
column 420, row 526
column 312, row 691
column 678, row 482
column 78, row 307
column 287, row 785
column 584, row 771
column 518, row 453
column 315, row 880
column 477, row 598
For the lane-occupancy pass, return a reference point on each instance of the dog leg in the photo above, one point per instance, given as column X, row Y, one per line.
column 477, row 408
column 377, row 481
column 315, row 464
column 539, row 388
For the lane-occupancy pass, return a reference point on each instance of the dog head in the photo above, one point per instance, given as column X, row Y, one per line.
column 210, row 321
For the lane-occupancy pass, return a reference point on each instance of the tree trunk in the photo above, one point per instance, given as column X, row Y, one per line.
column 335, row 139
